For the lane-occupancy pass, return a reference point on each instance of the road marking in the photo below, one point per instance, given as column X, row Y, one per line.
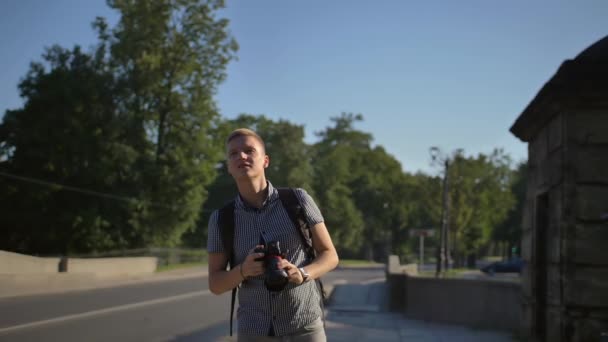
column 372, row 281
column 338, row 282
column 105, row 311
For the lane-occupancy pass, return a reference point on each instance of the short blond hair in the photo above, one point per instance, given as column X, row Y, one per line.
column 245, row 132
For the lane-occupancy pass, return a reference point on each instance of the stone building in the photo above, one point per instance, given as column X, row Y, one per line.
column 565, row 223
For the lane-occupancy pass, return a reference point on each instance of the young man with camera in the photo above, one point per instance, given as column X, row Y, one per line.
column 278, row 296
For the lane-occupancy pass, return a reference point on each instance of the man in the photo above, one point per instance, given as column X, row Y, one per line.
column 295, row 313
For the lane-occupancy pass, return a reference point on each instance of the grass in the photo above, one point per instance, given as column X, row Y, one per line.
column 491, row 258
column 172, row 267
column 451, row 273
column 356, row 262
column 343, row 262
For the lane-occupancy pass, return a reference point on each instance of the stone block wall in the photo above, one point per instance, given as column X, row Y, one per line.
column 585, row 271
column 545, row 177
column 483, row 304
column 568, row 163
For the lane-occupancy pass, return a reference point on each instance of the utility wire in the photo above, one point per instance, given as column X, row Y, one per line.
column 79, row 190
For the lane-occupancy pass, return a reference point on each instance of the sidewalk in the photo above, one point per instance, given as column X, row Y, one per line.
column 357, row 312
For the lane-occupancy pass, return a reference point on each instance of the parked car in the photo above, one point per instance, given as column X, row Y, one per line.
column 514, row 265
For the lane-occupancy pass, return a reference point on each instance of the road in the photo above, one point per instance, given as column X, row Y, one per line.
column 172, row 310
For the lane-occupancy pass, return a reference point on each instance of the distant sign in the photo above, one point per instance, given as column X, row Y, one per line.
column 422, row 232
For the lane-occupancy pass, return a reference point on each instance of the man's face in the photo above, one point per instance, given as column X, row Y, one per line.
column 246, row 157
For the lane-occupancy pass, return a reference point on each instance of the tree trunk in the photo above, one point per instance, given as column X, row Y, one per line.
column 458, row 260
column 161, row 133
column 472, row 261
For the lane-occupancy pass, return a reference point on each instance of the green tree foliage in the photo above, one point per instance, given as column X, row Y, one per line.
column 332, row 182
column 335, row 167
column 135, row 118
column 123, row 147
column 509, row 231
column 289, row 154
column 170, row 56
column 480, row 199
column 422, row 198
column 289, row 165
column 66, row 133
column 362, row 188
column 373, row 204
column 379, row 190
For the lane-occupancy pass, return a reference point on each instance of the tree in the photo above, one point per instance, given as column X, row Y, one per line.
column 169, row 56
column 289, row 165
column 289, row 154
column 362, row 188
column 480, row 198
column 422, row 198
column 379, row 190
column 66, row 133
column 335, row 166
column 131, row 128
column 509, row 231
column 332, row 184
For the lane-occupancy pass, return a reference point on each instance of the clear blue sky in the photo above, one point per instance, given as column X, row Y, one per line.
column 455, row 74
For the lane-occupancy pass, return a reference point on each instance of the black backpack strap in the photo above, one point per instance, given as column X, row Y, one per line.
column 226, row 224
column 297, row 215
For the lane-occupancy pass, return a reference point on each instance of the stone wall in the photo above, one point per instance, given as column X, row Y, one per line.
column 568, row 162
column 585, row 287
column 545, row 178
column 565, row 223
column 483, row 304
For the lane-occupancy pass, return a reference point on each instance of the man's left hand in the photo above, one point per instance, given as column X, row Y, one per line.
column 292, row 272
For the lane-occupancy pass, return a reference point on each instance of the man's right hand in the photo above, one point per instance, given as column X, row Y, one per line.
column 250, row 267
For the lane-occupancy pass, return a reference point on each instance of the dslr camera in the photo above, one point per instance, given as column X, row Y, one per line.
column 275, row 278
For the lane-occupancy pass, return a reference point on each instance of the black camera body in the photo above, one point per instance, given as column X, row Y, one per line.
column 275, row 278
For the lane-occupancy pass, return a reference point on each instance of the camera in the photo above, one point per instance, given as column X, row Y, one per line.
column 275, row 278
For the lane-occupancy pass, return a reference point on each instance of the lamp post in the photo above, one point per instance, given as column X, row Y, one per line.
column 443, row 251
column 446, row 215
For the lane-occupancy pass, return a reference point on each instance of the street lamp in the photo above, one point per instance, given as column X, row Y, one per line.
column 443, row 252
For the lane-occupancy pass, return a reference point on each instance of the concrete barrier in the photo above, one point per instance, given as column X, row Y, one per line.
column 19, row 264
column 23, row 274
column 113, row 267
column 485, row 304
column 15, row 263
column 482, row 304
column 396, row 276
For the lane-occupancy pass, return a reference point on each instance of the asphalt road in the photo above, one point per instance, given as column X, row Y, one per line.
column 172, row 310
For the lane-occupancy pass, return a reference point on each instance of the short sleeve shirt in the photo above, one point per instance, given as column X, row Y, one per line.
column 294, row 307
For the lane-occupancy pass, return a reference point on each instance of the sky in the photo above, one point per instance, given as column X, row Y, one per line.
column 452, row 74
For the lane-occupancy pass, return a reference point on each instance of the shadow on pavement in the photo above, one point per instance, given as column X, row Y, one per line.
column 350, row 306
column 216, row 333
column 360, row 311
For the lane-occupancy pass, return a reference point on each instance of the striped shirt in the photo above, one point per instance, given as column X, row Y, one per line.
column 294, row 307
